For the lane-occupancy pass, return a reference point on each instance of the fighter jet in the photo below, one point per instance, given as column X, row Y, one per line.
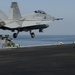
column 33, row 21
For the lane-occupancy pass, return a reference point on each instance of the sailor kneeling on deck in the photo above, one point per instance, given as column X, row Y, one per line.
column 7, row 42
column 10, row 43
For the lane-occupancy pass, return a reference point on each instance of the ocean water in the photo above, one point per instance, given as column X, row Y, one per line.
column 25, row 40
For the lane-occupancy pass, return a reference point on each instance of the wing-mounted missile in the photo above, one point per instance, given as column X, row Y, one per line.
column 2, row 23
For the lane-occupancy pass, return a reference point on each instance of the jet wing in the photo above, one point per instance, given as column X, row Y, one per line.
column 12, row 25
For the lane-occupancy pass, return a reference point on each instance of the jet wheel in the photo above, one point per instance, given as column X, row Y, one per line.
column 15, row 35
column 32, row 35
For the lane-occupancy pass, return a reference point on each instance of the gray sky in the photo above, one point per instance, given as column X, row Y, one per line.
column 56, row 8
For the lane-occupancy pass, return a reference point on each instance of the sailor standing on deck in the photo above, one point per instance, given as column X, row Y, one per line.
column 4, row 41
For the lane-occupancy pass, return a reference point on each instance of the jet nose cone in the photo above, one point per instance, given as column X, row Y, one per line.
column 47, row 25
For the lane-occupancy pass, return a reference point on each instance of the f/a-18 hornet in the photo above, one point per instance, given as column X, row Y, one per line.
column 15, row 22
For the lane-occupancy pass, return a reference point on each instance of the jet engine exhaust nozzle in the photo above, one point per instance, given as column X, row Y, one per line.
column 2, row 23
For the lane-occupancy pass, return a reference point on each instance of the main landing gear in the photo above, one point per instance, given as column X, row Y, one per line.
column 15, row 35
column 32, row 34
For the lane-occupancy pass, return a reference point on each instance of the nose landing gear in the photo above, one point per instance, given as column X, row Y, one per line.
column 32, row 35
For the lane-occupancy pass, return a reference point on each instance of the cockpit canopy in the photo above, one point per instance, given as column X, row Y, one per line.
column 40, row 11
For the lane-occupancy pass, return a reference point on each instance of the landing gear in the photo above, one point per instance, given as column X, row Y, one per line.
column 40, row 30
column 32, row 34
column 15, row 35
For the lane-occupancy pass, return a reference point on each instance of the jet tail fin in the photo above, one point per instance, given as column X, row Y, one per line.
column 14, row 13
column 3, row 16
